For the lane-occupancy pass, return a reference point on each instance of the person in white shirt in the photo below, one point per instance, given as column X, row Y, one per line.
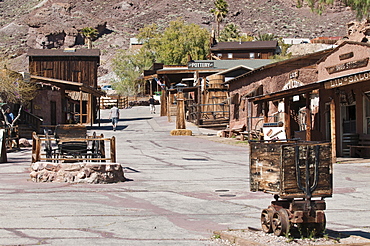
column 114, row 115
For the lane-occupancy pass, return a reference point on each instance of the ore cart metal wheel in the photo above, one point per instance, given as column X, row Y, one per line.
column 280, row 222
column 266, row 220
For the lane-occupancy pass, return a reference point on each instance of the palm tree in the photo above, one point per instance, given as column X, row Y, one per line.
column 265, row 37
column 220, row 11
column 89, row 33
column 230, row 33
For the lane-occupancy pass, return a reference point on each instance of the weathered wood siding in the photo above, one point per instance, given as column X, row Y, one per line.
column 273, row 168
column 81, row 69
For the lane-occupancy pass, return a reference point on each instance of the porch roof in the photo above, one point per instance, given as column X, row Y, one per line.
column 287, row 93
column 69, row 85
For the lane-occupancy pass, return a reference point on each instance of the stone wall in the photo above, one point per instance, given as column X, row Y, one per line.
column 81, row 172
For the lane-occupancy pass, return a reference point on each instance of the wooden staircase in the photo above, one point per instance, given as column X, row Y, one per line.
column 28, row 124
column 25, row 131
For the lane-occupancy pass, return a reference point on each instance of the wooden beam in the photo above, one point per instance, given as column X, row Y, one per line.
column 308, row 117
column 113, row 149
column 265, row 111
column 163, row 102
column 333, row 131
column 180, row 116
column 169, row 107
column 199, row 108
column 81, row 107
column 287, row 118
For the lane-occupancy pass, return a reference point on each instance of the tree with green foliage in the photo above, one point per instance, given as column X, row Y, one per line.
column 173, row 45
column 89, row 34
column 265, row 37
column 362, row 7
column 232, row 33
column 128, row 67
column 170, row 46
column 283, row 55
column 220, row 11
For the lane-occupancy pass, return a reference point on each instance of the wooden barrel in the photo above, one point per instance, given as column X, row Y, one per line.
column 348, row 139
column 216, row 81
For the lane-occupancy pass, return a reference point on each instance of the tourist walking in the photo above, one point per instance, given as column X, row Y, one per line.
column 151, row 105
column 114, row 116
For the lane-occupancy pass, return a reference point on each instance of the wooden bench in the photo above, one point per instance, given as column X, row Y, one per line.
column 362, row 149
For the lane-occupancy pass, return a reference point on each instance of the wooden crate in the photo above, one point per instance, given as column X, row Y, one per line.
column 274, row 165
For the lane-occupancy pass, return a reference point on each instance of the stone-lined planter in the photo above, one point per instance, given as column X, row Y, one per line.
column 80, row 172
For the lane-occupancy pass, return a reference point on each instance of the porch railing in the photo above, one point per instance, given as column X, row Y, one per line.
column 31, row 120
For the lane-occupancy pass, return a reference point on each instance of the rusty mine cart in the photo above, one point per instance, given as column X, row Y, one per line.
column 299, row 175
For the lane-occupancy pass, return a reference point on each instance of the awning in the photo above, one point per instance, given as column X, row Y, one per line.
column 287, row 93
column 69, row 85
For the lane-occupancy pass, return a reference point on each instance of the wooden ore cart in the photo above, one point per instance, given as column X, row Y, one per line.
column 299, row 175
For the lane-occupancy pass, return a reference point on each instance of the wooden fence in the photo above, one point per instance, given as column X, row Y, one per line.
column 49, row 148
column 11, row 134
column 107, row 102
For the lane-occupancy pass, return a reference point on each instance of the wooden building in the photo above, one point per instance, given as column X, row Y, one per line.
column 74, row 73
column 332, row 104
column 205, row 93
column 244, row 50
column 279, row 76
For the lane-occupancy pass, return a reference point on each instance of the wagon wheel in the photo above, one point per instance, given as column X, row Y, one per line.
column 48, row 149
column 95, row 147
column 280, row 222
column 258, row 125
column 266, row 220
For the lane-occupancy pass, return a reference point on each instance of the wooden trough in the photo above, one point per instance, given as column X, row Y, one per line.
column 299, row 175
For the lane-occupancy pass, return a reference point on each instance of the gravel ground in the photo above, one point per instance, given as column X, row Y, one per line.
column 257, row 238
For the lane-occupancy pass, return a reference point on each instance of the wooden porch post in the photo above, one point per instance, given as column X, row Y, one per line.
column 308, row 117
column 169, row 107
column 249, row 118
column 180, row 116
column 80, row 106
column 3, row 156
column 163, row 101
column 89, row 110
column 199, row 102
column 113, row 149
column 287, row 117
column 265, row 111
column 332, row 131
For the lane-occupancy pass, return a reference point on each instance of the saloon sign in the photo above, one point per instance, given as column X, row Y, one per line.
column 346, row 80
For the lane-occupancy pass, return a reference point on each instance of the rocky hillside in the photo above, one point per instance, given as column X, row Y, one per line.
column 56, row 23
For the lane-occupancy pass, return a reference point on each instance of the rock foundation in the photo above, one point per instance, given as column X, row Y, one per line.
column 81, row 172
